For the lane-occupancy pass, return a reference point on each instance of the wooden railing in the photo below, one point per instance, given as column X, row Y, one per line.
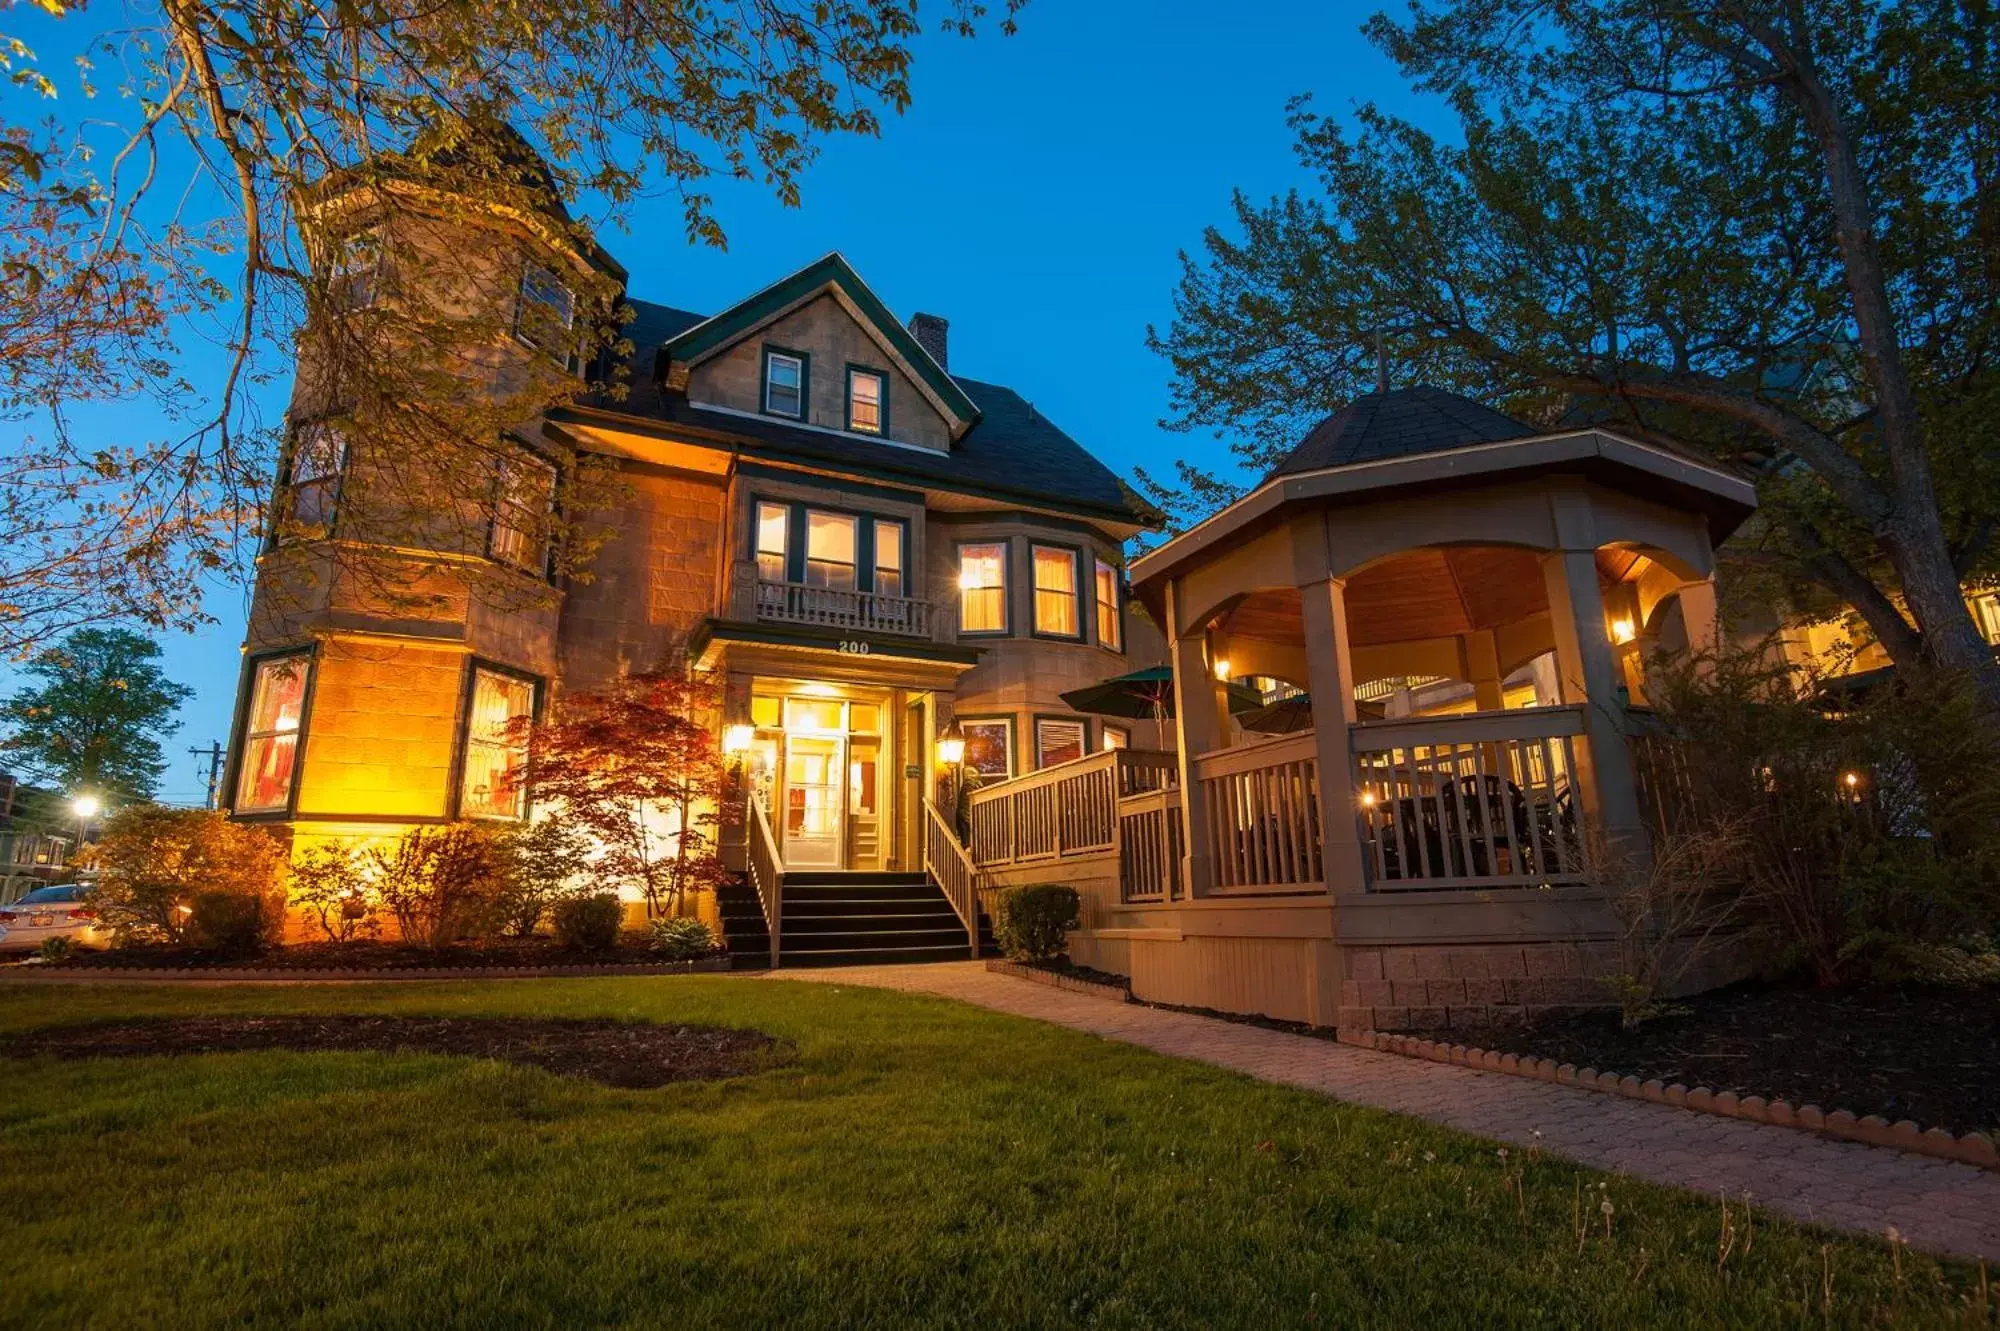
column 767, row 872
column 1151, row 841
column 946, row 861
column 1262, row 802
column 1063, row 811
column 1480, row 800
column 826, row 607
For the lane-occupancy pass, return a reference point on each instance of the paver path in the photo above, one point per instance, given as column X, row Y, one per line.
column 1936, row 1204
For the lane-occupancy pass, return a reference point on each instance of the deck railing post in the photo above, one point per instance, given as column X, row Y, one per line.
column 1330, row 677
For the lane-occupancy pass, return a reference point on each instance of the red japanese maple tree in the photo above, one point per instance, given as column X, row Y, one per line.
column 637, row 766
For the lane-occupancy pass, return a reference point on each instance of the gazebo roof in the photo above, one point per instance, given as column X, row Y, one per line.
column 1400, row 423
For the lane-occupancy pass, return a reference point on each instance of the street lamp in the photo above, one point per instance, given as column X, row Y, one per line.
column 87, row 807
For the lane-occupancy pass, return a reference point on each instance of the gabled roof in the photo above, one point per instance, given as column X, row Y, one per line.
column 1400, row 423
column 1014, row 454
column 725, row 329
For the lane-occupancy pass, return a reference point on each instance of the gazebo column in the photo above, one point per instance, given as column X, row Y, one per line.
column 1330, row 684
column 1587, row 669
column 1482, row 669
column 1197, row 730
column 1698, row 615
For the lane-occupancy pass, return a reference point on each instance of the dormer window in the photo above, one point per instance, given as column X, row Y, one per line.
column 785, row 383
column 546, row 311
column 867, row 401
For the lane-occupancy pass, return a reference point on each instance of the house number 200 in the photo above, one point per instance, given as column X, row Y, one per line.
column 854, row 647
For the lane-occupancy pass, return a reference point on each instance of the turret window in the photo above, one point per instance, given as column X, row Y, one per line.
column 496, row 745
column 546, row 312
column 271, row 729
column 1055, row 592
column 982, row 588
column 1110, row 626
column 524, row 497
column 354, row 280
column 319, row 457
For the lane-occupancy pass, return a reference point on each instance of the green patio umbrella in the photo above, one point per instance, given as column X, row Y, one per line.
column 1288, row 716
column 1146, row 695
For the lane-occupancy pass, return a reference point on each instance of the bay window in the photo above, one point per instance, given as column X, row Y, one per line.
column 989, row 746
column 1055, row 591
column 774, row 527
column 496, row 745
column 1110, row 626
column 271, row 727
column 545, row 313
column 982, row 588
column 888, row 557
column 319, row 459
column 1057, row 741
column 524, row 496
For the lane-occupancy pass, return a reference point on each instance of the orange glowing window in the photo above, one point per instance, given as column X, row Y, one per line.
column 496, row 751
column 271, row 734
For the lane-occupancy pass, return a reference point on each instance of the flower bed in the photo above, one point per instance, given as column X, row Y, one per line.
column 1064, row 974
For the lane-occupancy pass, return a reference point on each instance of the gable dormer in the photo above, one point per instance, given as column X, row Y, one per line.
column 819, row 349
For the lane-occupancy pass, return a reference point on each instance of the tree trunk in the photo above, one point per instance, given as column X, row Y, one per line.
column 1931, row 588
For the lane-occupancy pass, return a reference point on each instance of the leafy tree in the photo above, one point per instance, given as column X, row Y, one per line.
column 329, row 887
column 284, row 114
column 542, row 859
column 153, row 861
column 1769, row 228
column 637, row 767
column 96, row 721
column 442, row 884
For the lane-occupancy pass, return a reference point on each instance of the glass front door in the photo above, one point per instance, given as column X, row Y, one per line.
column 814, row 824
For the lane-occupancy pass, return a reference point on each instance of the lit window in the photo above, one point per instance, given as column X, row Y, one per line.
column 1116, row 737
column 784, row 384
column 546, row 310
column 774, row 522
column 271, row 734
column 354, row 279
column 982, row 588
column 1058, row 742
column 830, row 551
column 496, row 749
column 1988, row 609
column 524, row 495
column 989, row 747
column 319, row 455
column 1055, row 591
column 866, row 392
column 888, row 558
column 1110, row 631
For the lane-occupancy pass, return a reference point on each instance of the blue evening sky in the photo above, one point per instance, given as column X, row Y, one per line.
column 1035, row 194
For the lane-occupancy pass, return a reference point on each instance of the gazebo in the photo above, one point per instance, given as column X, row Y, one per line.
column 1414, row 870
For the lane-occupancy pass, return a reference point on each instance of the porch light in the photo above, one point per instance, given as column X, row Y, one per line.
column 87, row 806
column 1622, row 631
column 1222, row 668
column 1367, row 799
column 1851, row 781
column 951, row 746
column 736, row 739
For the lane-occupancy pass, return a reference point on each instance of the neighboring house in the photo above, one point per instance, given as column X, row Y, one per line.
column 862, row 542
column 33, row 853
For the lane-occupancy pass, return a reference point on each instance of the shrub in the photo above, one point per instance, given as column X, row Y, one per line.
column 682, row 938
column 152, row 860
column 225, row 921
column 589, row 923
column 329, row 887
column 55, row 951
column 541, row 861
column 441, row 884
column 1033, row 923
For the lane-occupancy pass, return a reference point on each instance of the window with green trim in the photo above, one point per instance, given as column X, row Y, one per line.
column 867, row 394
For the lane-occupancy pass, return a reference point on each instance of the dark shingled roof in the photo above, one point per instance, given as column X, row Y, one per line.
column 1012, row 452
column 1397, row 424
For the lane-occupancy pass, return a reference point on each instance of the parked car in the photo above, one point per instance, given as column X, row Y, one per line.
column 50, row 912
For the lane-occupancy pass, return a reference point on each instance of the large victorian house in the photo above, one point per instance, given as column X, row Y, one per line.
column 863, row 543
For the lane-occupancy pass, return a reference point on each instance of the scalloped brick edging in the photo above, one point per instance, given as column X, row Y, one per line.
column 1056, row 980
column 1974, row 1148
column 72, row 974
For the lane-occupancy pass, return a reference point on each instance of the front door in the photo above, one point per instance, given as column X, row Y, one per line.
column 815, row 803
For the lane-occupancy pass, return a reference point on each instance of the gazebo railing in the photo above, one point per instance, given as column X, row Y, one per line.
column 1472, row 801
column 1262, row 802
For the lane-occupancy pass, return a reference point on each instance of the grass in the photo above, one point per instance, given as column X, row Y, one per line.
column 916, row 1162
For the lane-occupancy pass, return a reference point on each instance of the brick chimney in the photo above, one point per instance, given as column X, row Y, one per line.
column 931, row 333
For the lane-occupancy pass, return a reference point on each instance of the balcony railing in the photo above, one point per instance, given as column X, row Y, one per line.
column 828, row 607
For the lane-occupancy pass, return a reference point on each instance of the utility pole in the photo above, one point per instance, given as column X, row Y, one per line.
column 211, row 757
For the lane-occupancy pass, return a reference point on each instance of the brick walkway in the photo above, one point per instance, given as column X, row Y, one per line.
column 1936, row 1204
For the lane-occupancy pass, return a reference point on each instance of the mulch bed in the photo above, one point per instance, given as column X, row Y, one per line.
column 633, row 1055
column 367, row 956
column 1904, row 1053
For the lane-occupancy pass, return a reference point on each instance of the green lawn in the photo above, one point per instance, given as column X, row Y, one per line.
column 916, row 1163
